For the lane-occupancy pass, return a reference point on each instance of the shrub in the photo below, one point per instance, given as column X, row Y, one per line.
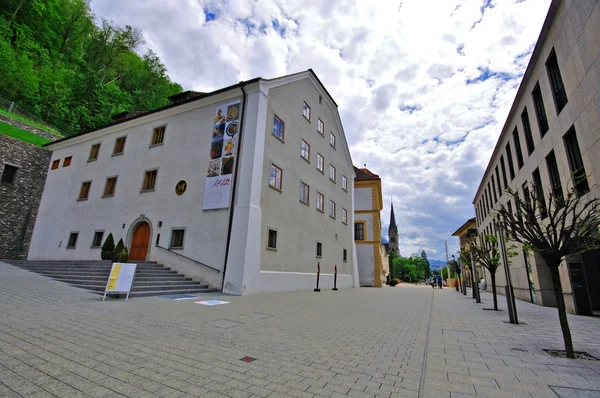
column 123, row 257
column 108, row 248
column 394, row 282
column 118, row 249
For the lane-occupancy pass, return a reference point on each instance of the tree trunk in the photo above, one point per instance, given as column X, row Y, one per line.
column 493, row 277
column 15, row 13
column 456, row 279
column 473, row 284
column 562, row 311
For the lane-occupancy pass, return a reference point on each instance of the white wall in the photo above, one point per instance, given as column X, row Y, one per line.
column 183, row 156
column 366, row 261
column 300, row 226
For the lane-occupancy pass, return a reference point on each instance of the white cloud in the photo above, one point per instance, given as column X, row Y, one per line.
column 398, row 71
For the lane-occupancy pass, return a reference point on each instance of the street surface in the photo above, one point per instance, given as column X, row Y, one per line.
column 406, row 341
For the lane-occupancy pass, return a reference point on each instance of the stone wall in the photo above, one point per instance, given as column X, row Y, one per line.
column 20, row 200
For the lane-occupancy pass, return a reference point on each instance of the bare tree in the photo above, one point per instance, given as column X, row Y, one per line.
column 566, row 226
column 485, row 250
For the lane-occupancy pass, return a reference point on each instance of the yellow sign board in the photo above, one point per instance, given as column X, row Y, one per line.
column 114, row 277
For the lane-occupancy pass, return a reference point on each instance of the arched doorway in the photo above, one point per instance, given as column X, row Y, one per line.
column 139, row 242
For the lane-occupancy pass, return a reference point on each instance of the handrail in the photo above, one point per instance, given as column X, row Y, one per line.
column 186, row 257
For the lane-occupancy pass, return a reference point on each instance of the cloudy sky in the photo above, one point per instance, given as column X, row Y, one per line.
column 423, row 86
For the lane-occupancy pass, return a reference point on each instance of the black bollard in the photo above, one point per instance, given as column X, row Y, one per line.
column 318, row 275
column 335, row 278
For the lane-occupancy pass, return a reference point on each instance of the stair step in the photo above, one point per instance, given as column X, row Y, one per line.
column 151, row 278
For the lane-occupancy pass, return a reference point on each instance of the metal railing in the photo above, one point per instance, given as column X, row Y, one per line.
column 188, row 258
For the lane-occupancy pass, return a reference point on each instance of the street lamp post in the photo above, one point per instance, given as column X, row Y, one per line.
column 472, row 234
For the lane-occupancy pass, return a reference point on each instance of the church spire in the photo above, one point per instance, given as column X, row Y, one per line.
column 393, row 226
column 393, row 232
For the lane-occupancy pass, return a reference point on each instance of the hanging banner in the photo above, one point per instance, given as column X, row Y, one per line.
column 217, row 188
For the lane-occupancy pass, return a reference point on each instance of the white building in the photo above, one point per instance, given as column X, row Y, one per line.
column 169, row 183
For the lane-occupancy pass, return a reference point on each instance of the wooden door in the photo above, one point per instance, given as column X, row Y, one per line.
column 139, row 242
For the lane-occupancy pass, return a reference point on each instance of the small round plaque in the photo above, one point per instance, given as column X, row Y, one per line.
column 180, row 187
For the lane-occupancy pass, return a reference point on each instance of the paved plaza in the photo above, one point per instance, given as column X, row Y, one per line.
column 407, row 341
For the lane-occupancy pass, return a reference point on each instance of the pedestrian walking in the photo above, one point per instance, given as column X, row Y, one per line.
column 439, row 279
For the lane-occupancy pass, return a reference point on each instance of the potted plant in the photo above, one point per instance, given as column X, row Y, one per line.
column 108, row 248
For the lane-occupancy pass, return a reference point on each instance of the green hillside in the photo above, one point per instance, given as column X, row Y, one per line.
column 59, row 64
column 14, row 132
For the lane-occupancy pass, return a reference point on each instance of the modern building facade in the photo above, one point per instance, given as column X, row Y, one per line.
column 247, row 188
column 368, row 203
column 552, row 132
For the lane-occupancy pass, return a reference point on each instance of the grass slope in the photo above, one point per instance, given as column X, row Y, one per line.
column 26, row 136
column 31, row 122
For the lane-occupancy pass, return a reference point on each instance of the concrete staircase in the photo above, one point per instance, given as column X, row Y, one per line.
column 151, row 279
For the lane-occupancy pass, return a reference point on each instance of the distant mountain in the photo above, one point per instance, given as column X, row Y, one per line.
column 437, row 264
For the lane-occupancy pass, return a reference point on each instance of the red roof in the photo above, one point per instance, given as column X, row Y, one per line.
column 365, row 174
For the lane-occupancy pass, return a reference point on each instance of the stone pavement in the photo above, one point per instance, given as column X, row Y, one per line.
column 408, row 341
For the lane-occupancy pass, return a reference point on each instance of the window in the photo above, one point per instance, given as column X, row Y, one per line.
column 8, row 175
column 332, row 173
column 72, row 240
column 94, row 152
column 540, row 110
column 85, row 190
column 490, row 191
column 97, row 241
column 392, row 239
column 499, row 183
column 55, row 164
column 305, row 150
column 158, row 135
column 119, row 146
column 552, row 166
column 539, row 192
column 320, row 165
column 526, row 195
column 494, row 190
column 556, row 83
column 149, row 180
column 345, row 257
column 320, row 202
column 177, row 236
column 359, row 231
column 487, row 202
column 509, row 158
column 509, row 205
column 278, row 127
column 109, row 187
column 320, row 100
column 320, row 127
column 576, row 162
column 67, row 161
column 503, row 172
column 304, row 193
column 518, row 151
column 344, row 216
column 275, row 177
column 344, row 183
column 528, row 134
column 306, row 111
column 272, row 239
column 332, row 139
column 331, row 209
column 319, row 249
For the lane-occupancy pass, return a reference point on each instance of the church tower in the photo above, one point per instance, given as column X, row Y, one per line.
column 393, row 232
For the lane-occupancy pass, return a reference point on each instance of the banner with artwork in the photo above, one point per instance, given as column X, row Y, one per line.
column 222, row 156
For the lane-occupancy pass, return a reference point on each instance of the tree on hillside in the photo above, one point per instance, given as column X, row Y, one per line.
column 485, row 250
column 561, row 227
column 427, row 265
column 56, row 62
